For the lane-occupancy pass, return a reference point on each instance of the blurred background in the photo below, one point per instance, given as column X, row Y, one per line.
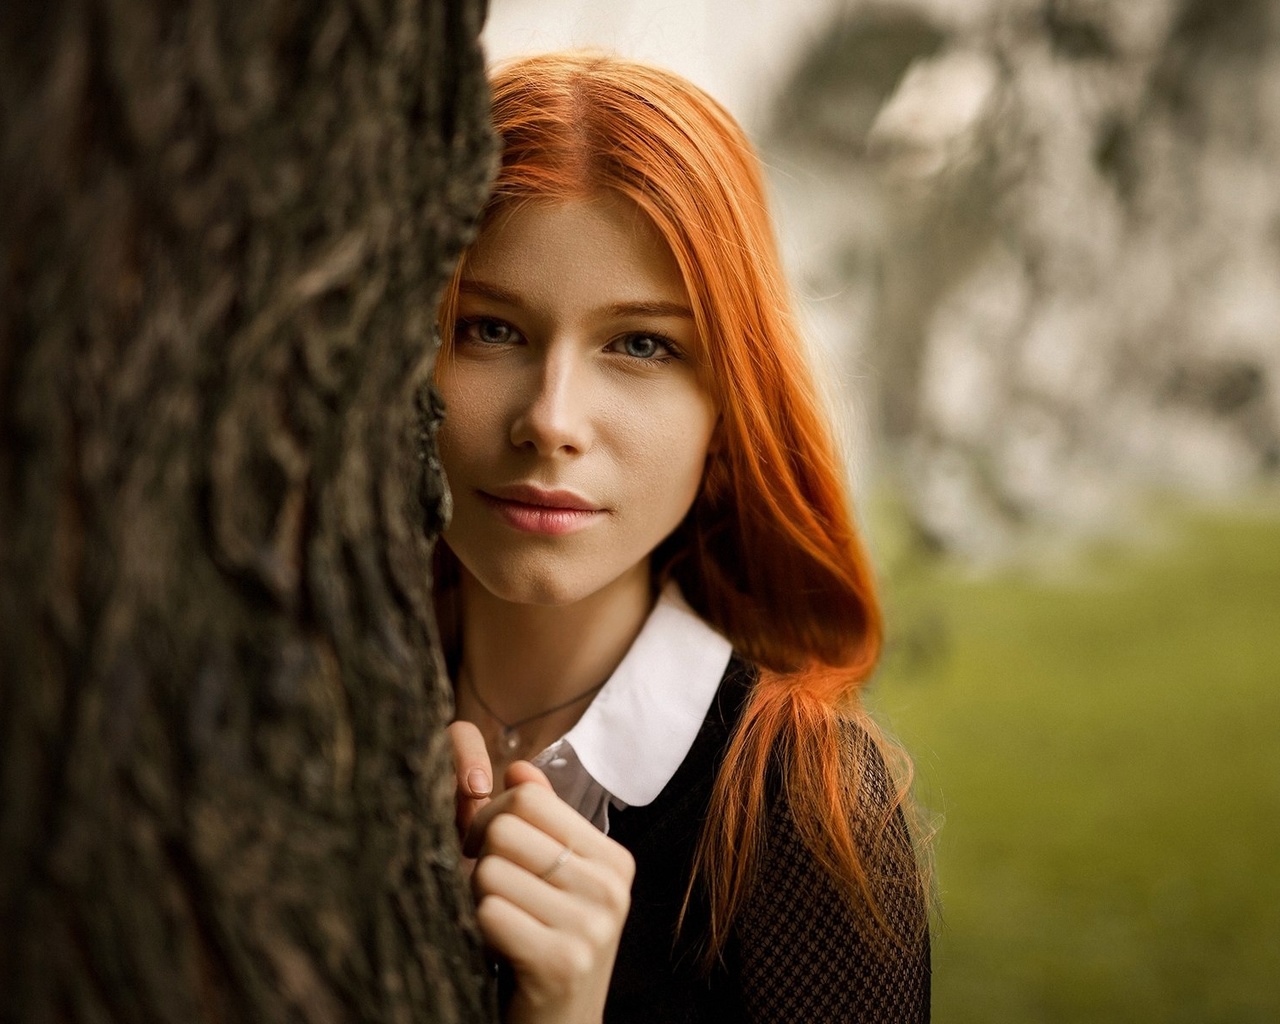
column 1036, row 247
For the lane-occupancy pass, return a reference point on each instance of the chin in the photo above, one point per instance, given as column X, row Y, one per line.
column 553, row 593
column 553, row 585
column 533, row 585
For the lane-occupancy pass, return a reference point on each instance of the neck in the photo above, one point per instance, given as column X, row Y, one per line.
column 524, row 659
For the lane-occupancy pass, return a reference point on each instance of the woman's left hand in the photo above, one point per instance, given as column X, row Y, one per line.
column 552, row 893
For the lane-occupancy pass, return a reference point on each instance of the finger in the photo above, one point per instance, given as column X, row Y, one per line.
column 497, row 876
column 544, row 864
column 552, row 963
column 541, row 808
column 473, row 773
column 511, row 931
column 519, row 772
column 596, row 919
column 532, row 803
column 471, row 761
column 513, row 839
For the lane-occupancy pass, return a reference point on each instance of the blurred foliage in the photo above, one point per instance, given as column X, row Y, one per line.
column 825, row 102
column 1042, row 240
column 1100, row 749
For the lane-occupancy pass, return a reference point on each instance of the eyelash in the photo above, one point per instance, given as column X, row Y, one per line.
column 673, row 350
column 466, row 324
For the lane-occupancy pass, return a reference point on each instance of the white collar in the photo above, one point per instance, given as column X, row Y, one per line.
column 641, row 725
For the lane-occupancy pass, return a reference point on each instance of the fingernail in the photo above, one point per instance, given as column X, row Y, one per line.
column 478, row 782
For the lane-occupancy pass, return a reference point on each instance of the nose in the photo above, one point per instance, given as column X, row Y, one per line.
column 554, row 416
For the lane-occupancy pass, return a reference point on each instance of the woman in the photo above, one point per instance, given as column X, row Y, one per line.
column 652, row 594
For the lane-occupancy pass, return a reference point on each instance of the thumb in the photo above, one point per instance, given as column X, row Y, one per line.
column 472, row 770
column 519, row 772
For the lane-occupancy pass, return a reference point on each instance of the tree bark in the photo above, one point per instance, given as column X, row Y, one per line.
column 224, row 789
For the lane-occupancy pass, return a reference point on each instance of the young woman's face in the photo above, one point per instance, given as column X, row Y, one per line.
column 577, row 426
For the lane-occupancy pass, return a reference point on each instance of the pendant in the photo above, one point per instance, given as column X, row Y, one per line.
column 509, row 741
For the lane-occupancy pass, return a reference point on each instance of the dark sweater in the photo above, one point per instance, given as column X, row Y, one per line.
column 795, row 953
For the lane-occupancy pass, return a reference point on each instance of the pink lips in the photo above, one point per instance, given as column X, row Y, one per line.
column 532, row 509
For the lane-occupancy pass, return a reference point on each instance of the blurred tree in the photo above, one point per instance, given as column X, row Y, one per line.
column 1044, row 234
column 224, row 791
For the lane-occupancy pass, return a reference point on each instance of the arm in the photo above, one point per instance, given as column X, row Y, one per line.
column 805, row 954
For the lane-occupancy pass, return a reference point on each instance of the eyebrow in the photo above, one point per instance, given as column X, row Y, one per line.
column 643, row 307
column 654, row 307
column 489, row 291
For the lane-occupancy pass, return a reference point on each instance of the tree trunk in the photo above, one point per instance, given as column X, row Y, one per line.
column 224, row 789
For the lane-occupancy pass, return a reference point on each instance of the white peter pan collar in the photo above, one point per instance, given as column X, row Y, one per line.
column 638, row 730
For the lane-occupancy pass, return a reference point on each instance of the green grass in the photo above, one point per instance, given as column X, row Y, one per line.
column 1103, row 756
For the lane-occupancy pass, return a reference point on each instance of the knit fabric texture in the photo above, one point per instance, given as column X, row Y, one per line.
column 798, row 950
column 802, row 956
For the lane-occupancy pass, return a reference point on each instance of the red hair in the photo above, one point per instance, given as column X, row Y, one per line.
column 769, row 553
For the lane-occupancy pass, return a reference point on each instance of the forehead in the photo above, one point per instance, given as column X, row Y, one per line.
column 602, row 248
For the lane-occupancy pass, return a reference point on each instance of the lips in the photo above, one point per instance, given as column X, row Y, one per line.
column 532, row 509
column 530, row 494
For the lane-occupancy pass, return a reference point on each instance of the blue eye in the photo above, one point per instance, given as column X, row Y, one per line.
column 646, row 346
column 484, row 330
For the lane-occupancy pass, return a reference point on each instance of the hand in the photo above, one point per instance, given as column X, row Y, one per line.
column 557, row 919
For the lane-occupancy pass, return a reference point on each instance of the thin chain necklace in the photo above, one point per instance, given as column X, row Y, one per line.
column 509, row 739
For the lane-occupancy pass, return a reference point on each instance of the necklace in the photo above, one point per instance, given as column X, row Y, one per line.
column 509, row 739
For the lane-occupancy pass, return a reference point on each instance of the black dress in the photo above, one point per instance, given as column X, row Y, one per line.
column 794, row 953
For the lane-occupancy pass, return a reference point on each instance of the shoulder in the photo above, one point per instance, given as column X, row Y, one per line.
column 813, row 943
column 873, row 807
column 873, row 768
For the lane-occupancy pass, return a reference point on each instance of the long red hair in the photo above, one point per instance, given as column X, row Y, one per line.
column 769, row 553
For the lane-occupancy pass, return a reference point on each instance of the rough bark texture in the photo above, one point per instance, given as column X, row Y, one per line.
column 223, row 787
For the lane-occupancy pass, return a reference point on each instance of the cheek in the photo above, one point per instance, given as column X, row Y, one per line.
column 471, row 414
column 675, row 450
